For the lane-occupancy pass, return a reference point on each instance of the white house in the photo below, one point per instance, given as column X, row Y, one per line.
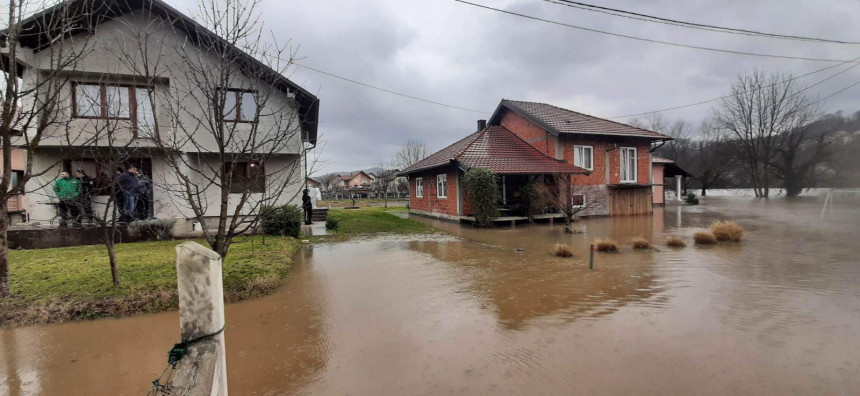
column 145, row 87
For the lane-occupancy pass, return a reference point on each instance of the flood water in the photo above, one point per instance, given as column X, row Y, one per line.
column 778, row 313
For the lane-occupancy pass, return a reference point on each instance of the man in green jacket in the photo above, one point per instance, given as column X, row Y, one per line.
column 67, row 189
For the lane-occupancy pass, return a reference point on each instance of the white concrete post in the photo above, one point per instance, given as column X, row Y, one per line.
column 201, row 312
column 678, row 187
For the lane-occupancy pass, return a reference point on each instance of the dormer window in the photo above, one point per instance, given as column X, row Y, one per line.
column 239, row 105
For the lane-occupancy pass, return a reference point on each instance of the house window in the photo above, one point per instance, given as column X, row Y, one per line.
column 442, row 186
column 628, row 165
column 239, row 106
column 583, row 157
column 419, row 187
column 577, row 200
column 247, row 177
column 116, row 102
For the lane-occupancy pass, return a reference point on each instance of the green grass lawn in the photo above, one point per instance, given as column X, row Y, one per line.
column 55, row 285
column 372, row 220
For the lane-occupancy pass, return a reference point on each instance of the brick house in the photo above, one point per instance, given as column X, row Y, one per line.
column 357, row 184
column 662, row 169
column 614, row 159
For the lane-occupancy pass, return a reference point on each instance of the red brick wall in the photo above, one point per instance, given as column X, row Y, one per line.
column 599, row 145
column 531, row 133
column 429, row 202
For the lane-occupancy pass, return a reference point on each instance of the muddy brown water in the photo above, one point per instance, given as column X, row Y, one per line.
column 778, row 313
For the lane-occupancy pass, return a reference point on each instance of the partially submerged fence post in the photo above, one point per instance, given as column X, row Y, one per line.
column 203, row 369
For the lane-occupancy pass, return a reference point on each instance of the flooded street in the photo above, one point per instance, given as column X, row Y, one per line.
column 778, row 313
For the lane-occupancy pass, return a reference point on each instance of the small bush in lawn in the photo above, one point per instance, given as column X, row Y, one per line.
column 332, row 224
column 704, row 238
column 691, row 199
column 158, row 229
column 282, row 220
column 727, row 231
column 674, row 241
column 562, row 250
column 641, row 243
column 606, row 245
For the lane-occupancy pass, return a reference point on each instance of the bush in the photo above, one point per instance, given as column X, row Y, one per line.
column 562, row 250
column 704, row 238
column 531, row 200
column 282, row 220
column 641, row 243
column 691, row 199
column 158, row 229
column 332, row 224
column 606, row 245
column 727, row 231
column 483, row 193
column 674, row 241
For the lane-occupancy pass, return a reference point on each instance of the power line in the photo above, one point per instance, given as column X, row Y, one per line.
column 836, row 93
column 651, row 40
column 692, row 25
column 767, row 86
column 388, row 90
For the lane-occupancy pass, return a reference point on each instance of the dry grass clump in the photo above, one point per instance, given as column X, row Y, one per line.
column 640, row 243
column 675, row 241
column 562, row 250
column 727, row 231
column 606, row 245
column 704, row 238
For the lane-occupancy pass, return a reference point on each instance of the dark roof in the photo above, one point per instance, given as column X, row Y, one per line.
column 660, row 160
column 40, row 30
column 499, row 150
column 354, row 174
column 558, row 121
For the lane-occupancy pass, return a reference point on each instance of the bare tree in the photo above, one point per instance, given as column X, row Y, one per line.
column 384, row 182
column 330, row 183
column 800, row 151
column 31, row 105
column 413, row 151
column 562, row 192
column 759, row 111
column 710, row 157
column 236, row 136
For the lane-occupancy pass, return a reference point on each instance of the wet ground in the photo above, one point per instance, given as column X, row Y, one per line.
column 778, row 313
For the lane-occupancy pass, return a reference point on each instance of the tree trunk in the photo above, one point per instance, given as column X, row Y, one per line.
column 704, row 190
column 111, row 248
column 4, row 251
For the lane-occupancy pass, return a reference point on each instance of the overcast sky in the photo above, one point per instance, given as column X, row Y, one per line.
column 461, row 55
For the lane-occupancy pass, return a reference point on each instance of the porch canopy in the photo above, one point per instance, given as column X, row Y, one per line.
column 670, row 168
column 497, row 149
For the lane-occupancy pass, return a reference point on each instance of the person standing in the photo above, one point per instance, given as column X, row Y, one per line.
column 307, row 206
column 127, row 184
column 67, row 190
column 85, row 199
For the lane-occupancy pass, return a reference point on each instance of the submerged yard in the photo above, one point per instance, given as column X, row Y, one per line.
column 478, row 311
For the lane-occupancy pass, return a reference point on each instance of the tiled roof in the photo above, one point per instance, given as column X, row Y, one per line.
column 557, row 120
column 661, row 160
column 499, row 150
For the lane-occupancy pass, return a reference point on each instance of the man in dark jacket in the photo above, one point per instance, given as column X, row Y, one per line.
column 127, row 184
column 307, row 206
column 85, row 199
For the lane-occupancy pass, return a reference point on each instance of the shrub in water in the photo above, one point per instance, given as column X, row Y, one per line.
column 483, row 192
column 332, row 224
column 606, row 245
column 641, row 243
column 704, row 238
column 727, row 231
column 691, row 199
column 281, row 220
column 158, row 229
column 562, row 250
column 674, row 241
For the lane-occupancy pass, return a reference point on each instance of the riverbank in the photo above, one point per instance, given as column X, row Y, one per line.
column 74, row 283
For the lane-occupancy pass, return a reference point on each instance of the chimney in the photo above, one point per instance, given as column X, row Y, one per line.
column 481, row 125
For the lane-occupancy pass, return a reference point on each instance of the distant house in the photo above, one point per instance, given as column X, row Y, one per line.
column 357, row 184
column 527, row 141
column 661, row 169
column 312, row 183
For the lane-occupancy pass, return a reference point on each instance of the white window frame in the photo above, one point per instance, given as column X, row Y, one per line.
column 442, row 181
column 590, row 157
column 624, row 169
column 419, row 187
